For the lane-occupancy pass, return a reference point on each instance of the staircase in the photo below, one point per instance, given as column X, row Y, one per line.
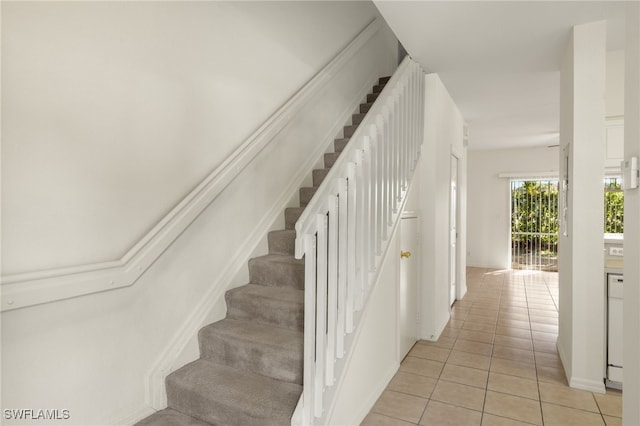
column 250, row 366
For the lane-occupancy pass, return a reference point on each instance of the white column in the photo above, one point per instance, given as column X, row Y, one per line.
column 631, row 319
column 581, row 338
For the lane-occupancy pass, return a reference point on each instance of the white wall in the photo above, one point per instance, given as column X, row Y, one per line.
column 615, row 83
column 631, row 350
column 114, row 111
column 100, row 152
column 444, row 127
column 489, row 202
column 581, row 339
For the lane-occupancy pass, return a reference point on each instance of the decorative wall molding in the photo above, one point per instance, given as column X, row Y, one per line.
column 33, row 288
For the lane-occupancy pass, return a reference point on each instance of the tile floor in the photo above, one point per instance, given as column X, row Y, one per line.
column 495, row 364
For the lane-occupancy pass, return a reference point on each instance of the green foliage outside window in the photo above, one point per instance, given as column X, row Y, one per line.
column 535, row 211
column 613, row 206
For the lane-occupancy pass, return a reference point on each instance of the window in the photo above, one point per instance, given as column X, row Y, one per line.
column 534, row 224
column 613, row 206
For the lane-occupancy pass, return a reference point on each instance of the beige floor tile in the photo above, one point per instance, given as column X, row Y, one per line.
column 542, row 313
column 493, row 420
column 548, row 359
column 610, row 404
column 514, row 309
column 413, row 384
column 547, row 328
column 450, row 332
column 515, row 354
column 513, row 407
column 548, row 347
column 513, row 323
column 513, row 332
column 465, row 375
column 568, row 397
column 481, row 319
column 375, row 419
column 479, row 326
column 434, row 353
column 543, row 320
column 400, row 406
column 467, row 359
column 544, row 337
column 439, row 414
column 424, row 367
column 612, row 421
column 554, row 375
column 454, row 323
column 442, row 342
column 513, row 316
column 476, row 336
column 556, row 415
column 513, row 342
column 513, row 368
column 542, row 307
column 458, row 395
column 473, row 347
column 513, row 385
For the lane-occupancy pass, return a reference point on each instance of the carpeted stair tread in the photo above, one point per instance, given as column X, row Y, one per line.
column 378, row 88
column 291, row 215
column 340, row 144
column 282, row 241
column 330, row 159
column 371, row 97
column 277, row 270
column 306, row 194
column 169, row 417
column 319, row 175
column 283, row 307
column 364, row 108
column 262, row 349
column 384, row 80
column 223, row 395
column 348, row 131
column 357, row 118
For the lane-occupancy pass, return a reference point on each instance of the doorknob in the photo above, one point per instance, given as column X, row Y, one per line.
column 404, row 254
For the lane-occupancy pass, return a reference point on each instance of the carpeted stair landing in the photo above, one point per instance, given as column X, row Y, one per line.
column 250, row 366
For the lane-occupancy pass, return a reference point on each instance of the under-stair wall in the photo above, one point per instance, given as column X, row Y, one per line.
column 101, row 355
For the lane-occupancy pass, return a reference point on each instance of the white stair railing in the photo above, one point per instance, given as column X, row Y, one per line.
column 344, row 231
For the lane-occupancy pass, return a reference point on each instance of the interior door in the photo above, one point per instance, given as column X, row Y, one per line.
column 453, row 231
column 408, row 297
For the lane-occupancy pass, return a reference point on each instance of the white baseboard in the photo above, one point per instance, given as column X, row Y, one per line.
column 596, row 386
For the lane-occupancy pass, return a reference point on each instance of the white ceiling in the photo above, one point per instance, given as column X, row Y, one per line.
column 500, row 60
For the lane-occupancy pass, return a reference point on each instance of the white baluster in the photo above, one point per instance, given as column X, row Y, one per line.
column 332, row 287
column 321, row 310
column 343, row 265
column 351, row 245
column 310, row 404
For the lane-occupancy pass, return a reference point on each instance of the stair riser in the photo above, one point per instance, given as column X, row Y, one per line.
column 357, row 118
column 319, row 175
column 364, row 108
column 349, row 130
column 280, row 313
column 277, row 274
column 306, row 194
column 330, row 159
column 340, row 144
column 213, row 412
column 291, row 216
column 281, row 243
column 266, row 361
column 372, row 97
column 378, row 88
